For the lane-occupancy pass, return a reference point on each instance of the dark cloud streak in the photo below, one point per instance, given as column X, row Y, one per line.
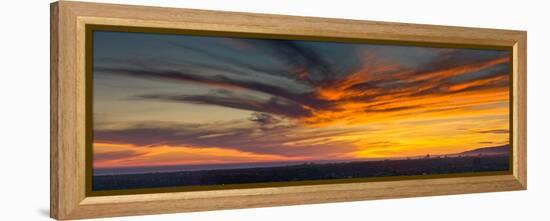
column 315, row 71
column 247, row 139
column 274, row 105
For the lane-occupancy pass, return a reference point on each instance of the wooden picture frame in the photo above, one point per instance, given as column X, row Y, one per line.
column 69, row 197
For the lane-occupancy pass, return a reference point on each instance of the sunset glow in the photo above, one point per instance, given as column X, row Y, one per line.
column 188, row 100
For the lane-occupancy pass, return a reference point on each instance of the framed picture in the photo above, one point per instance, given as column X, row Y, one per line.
column 160, row 110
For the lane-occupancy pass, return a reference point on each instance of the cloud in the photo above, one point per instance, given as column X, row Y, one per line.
column 304, row 83
column 304, row 63
column 497, row 131
column 264, row 119
column 219, row 81
column 115, row 155
column 295, row 60
column 274, row 105
column 392, row 109
column 283, row 140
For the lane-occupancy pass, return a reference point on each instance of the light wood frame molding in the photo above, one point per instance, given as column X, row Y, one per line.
column 68, row 117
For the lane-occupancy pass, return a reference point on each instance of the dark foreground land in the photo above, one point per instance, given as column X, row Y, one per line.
column 304, row 172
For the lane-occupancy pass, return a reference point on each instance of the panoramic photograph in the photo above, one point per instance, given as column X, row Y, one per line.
column 175, row 110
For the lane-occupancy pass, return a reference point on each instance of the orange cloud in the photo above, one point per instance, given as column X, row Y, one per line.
column 172, row 155
column 439, row 117
column 371, row 104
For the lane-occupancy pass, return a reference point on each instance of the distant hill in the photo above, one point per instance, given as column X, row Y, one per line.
column 504, row 149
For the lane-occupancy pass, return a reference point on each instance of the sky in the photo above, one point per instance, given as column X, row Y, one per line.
column 162, row 100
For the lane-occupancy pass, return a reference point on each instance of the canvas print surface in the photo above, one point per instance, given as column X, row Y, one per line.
column 175, row 110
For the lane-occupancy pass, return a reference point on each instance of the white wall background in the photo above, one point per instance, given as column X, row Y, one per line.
column 24, row 112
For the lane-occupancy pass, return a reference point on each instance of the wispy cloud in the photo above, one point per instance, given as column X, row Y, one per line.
column 269, row 137
column 497, row 131
column 383, row 94
column 310, row 98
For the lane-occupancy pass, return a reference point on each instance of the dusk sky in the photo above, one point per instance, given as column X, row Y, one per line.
column 182, row 100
